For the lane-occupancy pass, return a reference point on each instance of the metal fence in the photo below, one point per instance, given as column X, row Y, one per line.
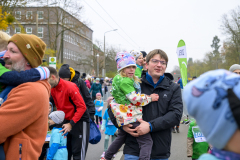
column 105, row 96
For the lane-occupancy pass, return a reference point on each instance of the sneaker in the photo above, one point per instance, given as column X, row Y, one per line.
column 102, row 158
column 173, row 130
column 114, row 155
column 187, row 122
column 103, row 154
column 97, row 126
column 177, row 129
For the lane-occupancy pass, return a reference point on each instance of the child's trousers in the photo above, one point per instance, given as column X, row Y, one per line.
column 145, row 144
column 100, row 119
column 107, row 137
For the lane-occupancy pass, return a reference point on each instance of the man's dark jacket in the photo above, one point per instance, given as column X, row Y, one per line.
column 162, row 115
column 85, row 94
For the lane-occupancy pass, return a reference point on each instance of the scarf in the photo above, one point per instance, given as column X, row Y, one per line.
column 141, row 67
column 149, row 79
column 2, row 54
column 225, row 155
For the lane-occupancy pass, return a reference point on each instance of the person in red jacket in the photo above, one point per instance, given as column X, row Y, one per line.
column 68, row 99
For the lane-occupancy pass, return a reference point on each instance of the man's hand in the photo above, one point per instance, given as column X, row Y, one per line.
column 143, row 128
column 66, row 128
column 154, row 97
column 128, row 129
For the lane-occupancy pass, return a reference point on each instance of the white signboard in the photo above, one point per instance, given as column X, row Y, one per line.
column 52, row 62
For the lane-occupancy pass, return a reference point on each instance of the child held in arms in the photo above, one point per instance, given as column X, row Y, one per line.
column 139, row 62
column 127, row 105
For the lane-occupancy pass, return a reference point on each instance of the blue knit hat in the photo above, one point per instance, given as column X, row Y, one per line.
column 124, row 59
column 208, row 102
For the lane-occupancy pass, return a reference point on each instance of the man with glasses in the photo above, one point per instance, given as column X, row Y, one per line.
column 158, row 117
column 235, row 69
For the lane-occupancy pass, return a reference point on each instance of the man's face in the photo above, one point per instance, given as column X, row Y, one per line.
column 14, row 59
column 144, row 63
column 53, row 80
column 156, row 69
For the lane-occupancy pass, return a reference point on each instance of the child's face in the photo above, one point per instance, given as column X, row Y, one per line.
column 129, row 71
column 139, row 60
column 99, row 97
column 49, row 109
column 51, row 122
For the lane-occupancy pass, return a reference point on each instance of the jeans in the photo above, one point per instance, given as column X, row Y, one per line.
column 144, row 141
column 131, row 157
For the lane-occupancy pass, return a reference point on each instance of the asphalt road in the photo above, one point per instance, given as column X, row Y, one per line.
column 178, row 146
column 94, row 151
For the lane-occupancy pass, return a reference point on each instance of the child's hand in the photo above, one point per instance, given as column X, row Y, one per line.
column 120, row 119
column 154, row 97
column 98, row 110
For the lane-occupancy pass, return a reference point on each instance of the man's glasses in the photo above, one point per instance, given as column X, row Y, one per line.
column 155, row 61
column 237, row 73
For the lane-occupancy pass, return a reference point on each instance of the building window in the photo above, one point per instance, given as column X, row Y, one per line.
column 29, row 30
column 17, row 30
column 7, row 31
column 40, row 14
column 40, row 32
column 18, row 14
column 29, row 15
column 67, row 53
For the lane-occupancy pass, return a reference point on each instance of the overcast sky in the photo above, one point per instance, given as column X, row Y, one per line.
column 158, row 24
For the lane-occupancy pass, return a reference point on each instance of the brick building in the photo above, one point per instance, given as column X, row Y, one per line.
column 61, row 31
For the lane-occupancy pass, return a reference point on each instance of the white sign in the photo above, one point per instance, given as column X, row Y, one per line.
column 52, row 62
column 181, row 52
column 198, row 136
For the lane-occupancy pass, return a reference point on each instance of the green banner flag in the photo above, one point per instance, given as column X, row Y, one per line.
column 182, row 59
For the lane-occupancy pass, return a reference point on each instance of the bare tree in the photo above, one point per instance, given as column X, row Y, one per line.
column 9, row 5
column 231, row 27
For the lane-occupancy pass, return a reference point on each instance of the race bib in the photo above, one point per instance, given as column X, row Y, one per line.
column 198, row 136
column 48, row 137
column 109, row 122
column 97, row 108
